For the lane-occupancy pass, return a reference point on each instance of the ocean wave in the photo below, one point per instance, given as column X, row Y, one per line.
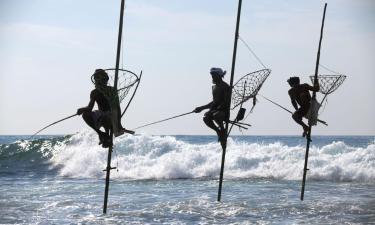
column 30, row 155
column 42, row 148
column 165, row 157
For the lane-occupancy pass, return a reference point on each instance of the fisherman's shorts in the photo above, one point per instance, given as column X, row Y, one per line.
column 301, row 112
column 217, row 115
column 99, row 117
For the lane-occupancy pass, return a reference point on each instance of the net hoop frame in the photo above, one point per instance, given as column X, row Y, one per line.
column 238, row 88
column 327, row 87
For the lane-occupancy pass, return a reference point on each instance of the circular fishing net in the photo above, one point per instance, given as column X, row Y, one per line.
column 329, row 83
column 248, row 86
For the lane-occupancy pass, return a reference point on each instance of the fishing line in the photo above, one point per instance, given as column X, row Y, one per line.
column 252, row 52
column 160, row 121
column 326, row 68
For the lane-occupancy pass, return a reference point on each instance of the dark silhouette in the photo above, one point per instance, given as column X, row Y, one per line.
column 300, row 95
column 219, row 107
column 107, row 99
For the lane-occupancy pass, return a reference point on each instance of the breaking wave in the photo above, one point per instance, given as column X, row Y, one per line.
column 165, row 157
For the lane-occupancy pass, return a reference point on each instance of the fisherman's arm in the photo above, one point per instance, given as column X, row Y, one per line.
column 203, row 107
column 294, row 103
column 316, row 87
column 293, row 100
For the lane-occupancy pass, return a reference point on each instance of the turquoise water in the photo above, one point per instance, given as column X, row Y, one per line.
column 173, row 180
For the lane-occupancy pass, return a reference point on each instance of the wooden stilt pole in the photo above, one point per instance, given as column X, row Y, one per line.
column 305, row 169
column 109, row 168
column 224, row 142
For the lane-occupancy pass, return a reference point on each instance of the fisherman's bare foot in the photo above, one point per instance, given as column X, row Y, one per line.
column 102, row 137
column 129, row 131
column 306, row 133
column 122, row 130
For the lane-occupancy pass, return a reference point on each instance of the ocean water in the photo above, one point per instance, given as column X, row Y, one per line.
column 174, row 180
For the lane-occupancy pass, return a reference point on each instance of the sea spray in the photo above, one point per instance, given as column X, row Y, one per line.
column 340, row 162
column 142, row 157
column 164, row 157
column 82, row 157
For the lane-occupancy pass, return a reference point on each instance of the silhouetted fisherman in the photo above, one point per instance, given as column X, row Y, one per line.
column 300, row 95
column 219, row 107
column 106, row 98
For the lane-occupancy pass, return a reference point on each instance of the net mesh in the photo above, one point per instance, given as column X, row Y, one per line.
column 329, row 83
column 248, row 86
column 126, row 80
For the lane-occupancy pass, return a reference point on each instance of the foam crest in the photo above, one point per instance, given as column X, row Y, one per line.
column 158, row 157
column 82, row 157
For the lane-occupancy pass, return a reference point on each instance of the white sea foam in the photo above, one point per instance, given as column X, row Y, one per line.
column 155, row 157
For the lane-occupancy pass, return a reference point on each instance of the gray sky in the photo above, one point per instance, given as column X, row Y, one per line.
column 49, row 49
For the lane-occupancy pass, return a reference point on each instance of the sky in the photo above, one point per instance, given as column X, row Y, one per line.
column 50, row 48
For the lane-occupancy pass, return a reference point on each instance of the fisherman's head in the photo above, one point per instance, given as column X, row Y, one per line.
column 217, row 75
column 100, row 77
column 293, row 81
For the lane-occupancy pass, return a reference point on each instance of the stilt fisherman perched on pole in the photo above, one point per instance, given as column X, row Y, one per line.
column 300, row 96
column 229, row 97
column 219, row 107
column 108, row 114
column 111, row 88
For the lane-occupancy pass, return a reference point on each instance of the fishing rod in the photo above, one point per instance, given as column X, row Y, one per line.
column 276, row 104
column 320, row 121
column 173, row 117
column 54, row 124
